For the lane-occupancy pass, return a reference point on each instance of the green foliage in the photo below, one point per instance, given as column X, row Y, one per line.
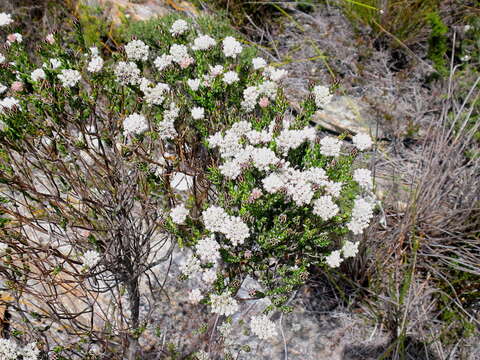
column 437, row 43
column 395, row 22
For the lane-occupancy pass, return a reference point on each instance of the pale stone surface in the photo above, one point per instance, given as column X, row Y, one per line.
column 141, row 10
column 346, row 114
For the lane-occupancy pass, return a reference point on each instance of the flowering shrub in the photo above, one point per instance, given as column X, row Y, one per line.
column 94, row 143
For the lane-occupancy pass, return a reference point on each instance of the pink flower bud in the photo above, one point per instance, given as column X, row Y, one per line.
column 17, row 86
column 186, row 62
column 50, row 39
column 264, row 102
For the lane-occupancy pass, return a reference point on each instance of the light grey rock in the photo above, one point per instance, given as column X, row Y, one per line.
column 346, row 114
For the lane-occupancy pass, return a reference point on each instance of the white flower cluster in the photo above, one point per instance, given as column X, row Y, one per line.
column 8, row 103
column 179, row 214
column 362, row 141
column 364, row 178
column 230, row 77
column 258, row 63
column 263, row 327
column 179, row 27
column 163, row 61
column 198, row 113
column 9, row 350
column 223, row 304
column 69, row 78
column 96, row 63
column 38, row 74
column 90, row 258
column 203, row 42
column 231, row 47
column 3, row 249
column 195, row 296
column 349, row 249
column 190, row 266
column 252, row 94
column 291, row 139
column 362, row 213
column 322, row 95
column 275, row 75
column 127, row 73
column 217, row 220
column 179, row 54
column 155, row 95
column 330, row 146
column 167, row 127
column 193, row 84
column 207, row 249
column 135, row 124
column 5, row 19
column 137, row 50
column 325, row 207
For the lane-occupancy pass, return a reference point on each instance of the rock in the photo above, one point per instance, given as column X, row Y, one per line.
column 347, row 114
column 140, row 9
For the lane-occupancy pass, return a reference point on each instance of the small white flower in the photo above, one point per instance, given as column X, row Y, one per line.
column 135, row 124
column 55, row 63
column 179, row 214
column 362, row 141
column 3, row 248
column 30, row 352
column 127, row 73
column 350, row 249
column 190, row 266
column 223, row 304
column 69, row 78
column 203, row 42
column 209, row 276
column 259, row 63
column 465, row 58
column 5, row 19
column 325, row 207
column 2, row 59
column 8, row 103
column 198, row 113
column 155, row 95
column 231, row 47
column 137, row 50
column 3, row 88
column 94, row 51
column 263, row 327
column 8, row 350
column 163, row 61
column 193, row 84
column 278, row 74
column 216, row 70
column 95, row 64
column 208, row 249
column 91, row 258
column 330, row 146
column 364, row 178
column 38, row 74
column 179, row 27
column 322, row 95
column 195, row 296
column 230, row 77
column 334, row 260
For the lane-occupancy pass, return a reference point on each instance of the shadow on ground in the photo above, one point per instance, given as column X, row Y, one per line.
column 413, row 350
